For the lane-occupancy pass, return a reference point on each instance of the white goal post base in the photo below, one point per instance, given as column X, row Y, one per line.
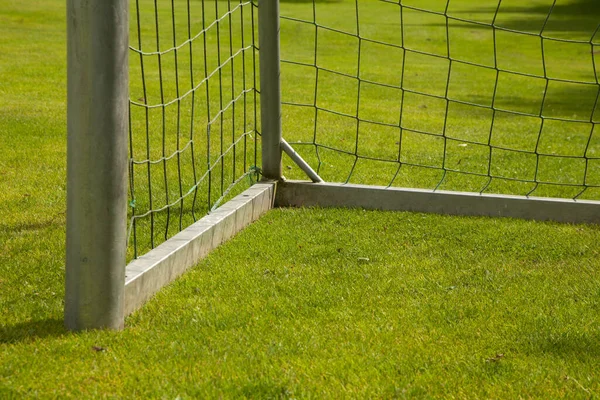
column 306, row 194
column 146, row 275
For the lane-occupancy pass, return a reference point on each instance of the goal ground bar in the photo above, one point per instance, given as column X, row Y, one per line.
column 306, row 194
column 149, row 273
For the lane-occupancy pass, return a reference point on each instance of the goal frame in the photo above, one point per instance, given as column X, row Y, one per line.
column 100, row 289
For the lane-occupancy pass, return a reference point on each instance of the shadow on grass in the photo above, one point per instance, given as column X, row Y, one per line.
column 580, row 17
column 6, row 393
column 565, row 103
column 580, row 345
column 26, row 331
column 55, row 221
column 310, row 1
column 30, row 226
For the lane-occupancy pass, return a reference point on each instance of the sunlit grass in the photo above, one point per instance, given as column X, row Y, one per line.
column 311, row 303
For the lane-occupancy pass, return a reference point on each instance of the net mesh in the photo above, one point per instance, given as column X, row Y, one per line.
column 498, row 96
column 494, row 96
column 193, row 112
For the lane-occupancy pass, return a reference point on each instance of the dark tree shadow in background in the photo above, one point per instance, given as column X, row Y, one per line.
column 578, row 20
column 310, row 1
column 581, row 18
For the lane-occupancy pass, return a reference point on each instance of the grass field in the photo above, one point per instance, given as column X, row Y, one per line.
column 304, row 303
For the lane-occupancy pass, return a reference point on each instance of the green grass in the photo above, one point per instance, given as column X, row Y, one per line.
column 304, row 303
column 346, row 304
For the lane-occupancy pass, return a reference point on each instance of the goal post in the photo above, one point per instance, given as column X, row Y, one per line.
column 103, row 177
column 270, row 87
column 97, row 102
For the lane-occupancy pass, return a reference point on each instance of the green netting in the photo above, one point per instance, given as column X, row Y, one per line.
column 497, row 96
column 494, row 96
column 193, row 112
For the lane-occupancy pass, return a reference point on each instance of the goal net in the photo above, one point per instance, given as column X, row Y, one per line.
column 193, row 112
column 493, row 96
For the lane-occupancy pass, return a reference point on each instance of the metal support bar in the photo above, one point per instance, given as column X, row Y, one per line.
column 306, row 194
column 270, row 89
column 155, row 269
column 303, row 165
column 97, row 124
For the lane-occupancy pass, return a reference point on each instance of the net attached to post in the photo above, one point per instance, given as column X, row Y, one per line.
column 193, row 112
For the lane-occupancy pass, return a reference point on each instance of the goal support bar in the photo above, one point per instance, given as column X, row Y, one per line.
column 305, row 194
column 299, row 161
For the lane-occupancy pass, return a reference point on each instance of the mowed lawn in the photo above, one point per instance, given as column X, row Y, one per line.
column 302, row 304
